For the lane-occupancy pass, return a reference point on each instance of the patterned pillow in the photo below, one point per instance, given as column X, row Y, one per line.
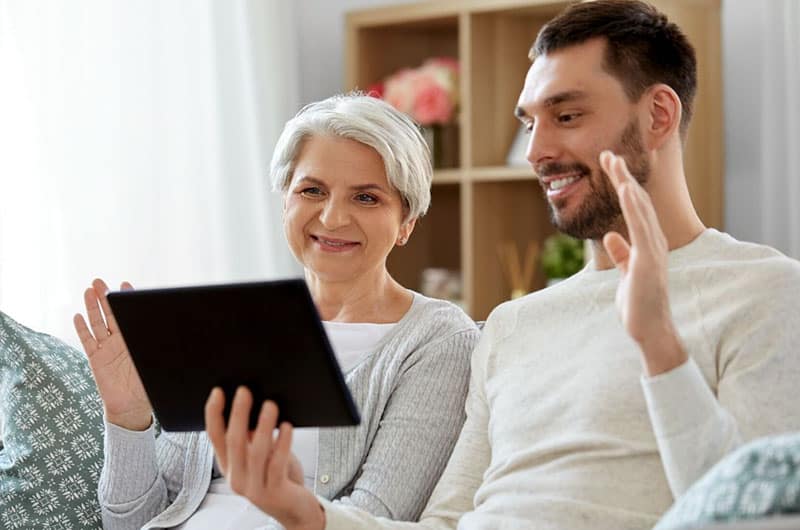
column 759, row 479
column 52, row 433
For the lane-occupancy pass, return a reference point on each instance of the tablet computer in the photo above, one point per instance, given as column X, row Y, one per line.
column 266, row 335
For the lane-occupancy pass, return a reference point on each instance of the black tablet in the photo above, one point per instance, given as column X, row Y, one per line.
column 266, row 335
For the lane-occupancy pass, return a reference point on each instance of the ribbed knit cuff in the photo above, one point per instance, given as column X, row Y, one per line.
column 130, row 464
column 678, row 400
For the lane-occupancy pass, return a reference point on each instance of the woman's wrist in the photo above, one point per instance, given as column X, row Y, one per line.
column 132, row 421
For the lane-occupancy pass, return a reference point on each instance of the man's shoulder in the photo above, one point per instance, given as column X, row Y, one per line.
column 740, row 276
column 723, row 252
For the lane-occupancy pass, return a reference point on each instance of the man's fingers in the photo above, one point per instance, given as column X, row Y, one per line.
column 617, row 249
column 236, row 437
column 279, row 463
column 610, row 165
column 605, row 164
column 630, row 196
column 637, row 207
column 634, row 216
column 261, row 446
column 215, row 426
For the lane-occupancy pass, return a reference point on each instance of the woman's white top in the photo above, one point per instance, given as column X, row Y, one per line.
column 222, row 508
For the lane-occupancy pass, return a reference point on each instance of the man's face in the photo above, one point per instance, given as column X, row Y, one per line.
column 574, row 110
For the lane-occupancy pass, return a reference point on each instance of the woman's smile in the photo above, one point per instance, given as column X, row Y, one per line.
column 332, row 244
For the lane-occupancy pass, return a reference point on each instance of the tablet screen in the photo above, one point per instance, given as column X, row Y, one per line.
column 266, row 335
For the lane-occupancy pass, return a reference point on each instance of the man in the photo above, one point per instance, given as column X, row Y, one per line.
column 594, row 403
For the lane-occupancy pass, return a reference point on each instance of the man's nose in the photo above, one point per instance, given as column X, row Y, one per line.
column 542, row 145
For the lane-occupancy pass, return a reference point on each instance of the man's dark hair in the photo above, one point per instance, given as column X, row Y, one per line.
column 642, row 47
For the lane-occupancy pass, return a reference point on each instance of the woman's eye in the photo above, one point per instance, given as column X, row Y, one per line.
column 366, row 198
column 312, row 191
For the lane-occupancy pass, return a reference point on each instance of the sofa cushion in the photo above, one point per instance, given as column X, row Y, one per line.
column 52, row 433
column 761, row 478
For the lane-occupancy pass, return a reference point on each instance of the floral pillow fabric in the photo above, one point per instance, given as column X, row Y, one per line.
column 759, row 479
column 51, row 422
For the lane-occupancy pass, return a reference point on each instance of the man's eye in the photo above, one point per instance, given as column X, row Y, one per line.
column 366, row 198
column 568, row 117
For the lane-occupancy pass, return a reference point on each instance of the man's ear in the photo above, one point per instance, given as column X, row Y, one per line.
column 663, row 115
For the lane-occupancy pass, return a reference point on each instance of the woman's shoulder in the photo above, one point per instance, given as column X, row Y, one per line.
column 436, row 319
column 427, row 307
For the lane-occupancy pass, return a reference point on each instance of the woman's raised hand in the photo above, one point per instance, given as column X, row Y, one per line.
column 124, row 399
column 258, row 466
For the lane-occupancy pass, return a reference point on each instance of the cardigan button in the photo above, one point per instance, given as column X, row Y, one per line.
column 324, row 479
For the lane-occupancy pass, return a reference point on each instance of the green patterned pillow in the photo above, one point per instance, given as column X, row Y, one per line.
column 759, row 479
column 52, row 433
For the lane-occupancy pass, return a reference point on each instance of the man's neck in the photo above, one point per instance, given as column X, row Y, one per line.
column 676, row 215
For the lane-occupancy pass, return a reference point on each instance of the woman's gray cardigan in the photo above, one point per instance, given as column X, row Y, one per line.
column 410, row 393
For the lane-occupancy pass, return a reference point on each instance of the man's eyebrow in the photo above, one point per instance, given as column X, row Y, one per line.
column 564, row 97
column 555, row 99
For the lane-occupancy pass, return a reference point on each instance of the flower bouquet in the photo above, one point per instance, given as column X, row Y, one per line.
column 429, row 94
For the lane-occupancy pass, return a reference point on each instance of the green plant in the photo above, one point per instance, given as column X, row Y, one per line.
column 562, row 256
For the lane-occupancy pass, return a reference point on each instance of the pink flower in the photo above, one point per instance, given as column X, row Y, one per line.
column 450, row 63
column 400, row 90
column 432, row 104
column 429, row 94
column 376, row 90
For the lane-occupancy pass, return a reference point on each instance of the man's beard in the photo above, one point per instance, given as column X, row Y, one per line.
column 600, row 211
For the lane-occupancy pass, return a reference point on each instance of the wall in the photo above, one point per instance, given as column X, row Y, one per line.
column 741, row 57
column 320, row 34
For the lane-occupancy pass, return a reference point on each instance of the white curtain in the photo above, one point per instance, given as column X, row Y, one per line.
column 135, row 139
column 762, row 113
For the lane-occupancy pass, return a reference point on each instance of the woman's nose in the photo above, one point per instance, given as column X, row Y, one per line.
column 334, row 215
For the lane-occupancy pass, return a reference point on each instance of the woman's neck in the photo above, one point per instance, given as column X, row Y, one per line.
column 379, row 300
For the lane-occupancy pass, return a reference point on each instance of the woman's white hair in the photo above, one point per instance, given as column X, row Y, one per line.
column 372, row 122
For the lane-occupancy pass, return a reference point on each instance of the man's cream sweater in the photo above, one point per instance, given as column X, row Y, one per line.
column 562, row 430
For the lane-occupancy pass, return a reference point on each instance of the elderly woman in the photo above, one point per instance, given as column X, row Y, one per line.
column 355, row 177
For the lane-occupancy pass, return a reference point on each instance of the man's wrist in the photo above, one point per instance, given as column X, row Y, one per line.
column 662, row 352
column 315, row 521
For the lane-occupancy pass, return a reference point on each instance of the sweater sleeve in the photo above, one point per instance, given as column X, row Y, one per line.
column 417, row 430
column 133, row 488
column 758, row 367
column 692, row 429
column 453, row 495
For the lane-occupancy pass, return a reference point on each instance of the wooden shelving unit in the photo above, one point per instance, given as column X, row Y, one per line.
column 482, row 202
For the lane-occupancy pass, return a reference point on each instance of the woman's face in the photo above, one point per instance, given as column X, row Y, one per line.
column 341, row 216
